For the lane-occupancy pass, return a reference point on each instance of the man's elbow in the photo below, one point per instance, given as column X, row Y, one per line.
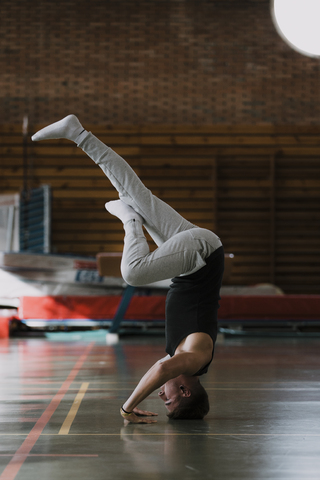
column 167, row 371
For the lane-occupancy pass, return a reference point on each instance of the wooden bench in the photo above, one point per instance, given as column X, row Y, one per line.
column 109, row 266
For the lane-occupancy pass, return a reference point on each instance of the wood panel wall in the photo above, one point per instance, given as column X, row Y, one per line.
column 257, row 187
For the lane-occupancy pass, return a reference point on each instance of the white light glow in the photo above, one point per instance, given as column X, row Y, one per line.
column 298, row 23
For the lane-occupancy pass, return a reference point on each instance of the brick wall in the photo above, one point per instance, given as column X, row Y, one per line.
column 177, row 62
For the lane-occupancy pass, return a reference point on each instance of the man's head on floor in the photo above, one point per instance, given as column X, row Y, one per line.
column 185, row 398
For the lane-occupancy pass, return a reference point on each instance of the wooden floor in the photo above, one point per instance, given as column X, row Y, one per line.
column 60, row 402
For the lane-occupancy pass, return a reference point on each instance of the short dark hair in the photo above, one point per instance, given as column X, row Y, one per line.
column 194, row 407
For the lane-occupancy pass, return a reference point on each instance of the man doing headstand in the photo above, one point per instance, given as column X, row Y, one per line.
column 192, row 257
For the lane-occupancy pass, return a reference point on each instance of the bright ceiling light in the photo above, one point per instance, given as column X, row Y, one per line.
column 298, row 23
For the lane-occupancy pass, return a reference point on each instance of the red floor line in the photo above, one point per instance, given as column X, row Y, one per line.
column 13, row 467
column 52, row 455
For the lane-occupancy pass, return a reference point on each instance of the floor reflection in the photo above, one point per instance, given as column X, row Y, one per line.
column 174, row 450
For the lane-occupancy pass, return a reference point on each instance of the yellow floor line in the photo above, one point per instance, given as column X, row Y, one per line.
column 64, row 430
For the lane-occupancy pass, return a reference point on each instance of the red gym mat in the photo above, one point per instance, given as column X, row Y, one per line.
column 233, row 307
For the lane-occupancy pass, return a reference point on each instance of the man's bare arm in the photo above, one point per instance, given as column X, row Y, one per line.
column 162, row 371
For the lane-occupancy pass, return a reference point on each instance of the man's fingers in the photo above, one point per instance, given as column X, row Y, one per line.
column 144, row 413
column 147, row 414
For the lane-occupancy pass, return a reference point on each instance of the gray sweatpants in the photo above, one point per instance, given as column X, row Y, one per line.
column 182, row 246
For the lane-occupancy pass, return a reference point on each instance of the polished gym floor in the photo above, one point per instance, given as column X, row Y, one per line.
column 59, row 412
